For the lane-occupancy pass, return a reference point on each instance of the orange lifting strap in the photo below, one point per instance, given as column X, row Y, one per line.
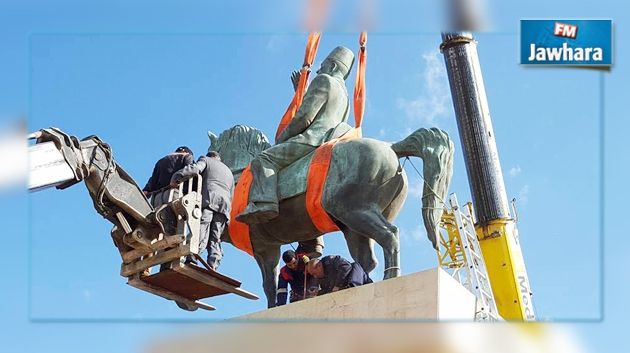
column 239, row 232
column 318, row 169
column 309, row 56
column 359, row 85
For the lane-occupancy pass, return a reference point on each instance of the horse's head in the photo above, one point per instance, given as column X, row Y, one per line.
column 238, row 146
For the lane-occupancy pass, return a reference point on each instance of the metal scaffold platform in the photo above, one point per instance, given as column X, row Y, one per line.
column 460, row 255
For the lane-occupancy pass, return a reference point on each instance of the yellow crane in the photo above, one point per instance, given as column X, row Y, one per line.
column 495, row 227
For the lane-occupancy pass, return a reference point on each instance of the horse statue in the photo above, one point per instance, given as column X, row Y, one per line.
column 364, row 191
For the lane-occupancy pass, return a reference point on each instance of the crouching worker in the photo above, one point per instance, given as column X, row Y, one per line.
column 216, row 201
column 293, row 274
column 335, row 273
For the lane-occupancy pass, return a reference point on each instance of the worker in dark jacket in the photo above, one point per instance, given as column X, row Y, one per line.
column 294, row 274
column 163, row 172
column 216, row 197
column 335, row 273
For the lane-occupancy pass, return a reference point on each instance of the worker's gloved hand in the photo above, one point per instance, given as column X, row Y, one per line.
column 305, row 259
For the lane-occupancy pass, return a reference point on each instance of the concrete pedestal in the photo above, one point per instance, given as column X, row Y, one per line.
column 427, row 295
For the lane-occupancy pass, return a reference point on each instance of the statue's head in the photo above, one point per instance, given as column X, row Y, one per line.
column 238, row 146
column 338, row 63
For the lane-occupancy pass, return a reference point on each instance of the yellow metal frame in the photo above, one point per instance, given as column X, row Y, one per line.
column 503, row 259
column 506, row 269
column 450, row 254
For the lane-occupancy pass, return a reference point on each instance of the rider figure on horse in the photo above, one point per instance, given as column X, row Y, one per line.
column 321, row 117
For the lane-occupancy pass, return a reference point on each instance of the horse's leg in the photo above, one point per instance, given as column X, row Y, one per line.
column 267, row 257
column 372, row 224
column 361, row 249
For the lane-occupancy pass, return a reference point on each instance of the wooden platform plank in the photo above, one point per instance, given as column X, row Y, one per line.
column 201, row 276
column 164, row 293
column 215, row 274
column 183, row 285
column 159, row 245
column 166, row 256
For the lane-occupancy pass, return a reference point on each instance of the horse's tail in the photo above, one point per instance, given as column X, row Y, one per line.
column 436, row 149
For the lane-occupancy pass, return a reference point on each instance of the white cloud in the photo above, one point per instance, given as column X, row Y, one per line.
column 514, row 171
column 432, row 103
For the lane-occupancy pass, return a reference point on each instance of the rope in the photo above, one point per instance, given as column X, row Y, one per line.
column 305, row 274
column 433, row 193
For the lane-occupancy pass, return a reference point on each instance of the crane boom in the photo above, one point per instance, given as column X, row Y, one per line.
column 496, row 229
column 61, row 160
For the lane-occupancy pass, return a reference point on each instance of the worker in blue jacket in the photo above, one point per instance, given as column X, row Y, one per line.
column 293, row 274
column 335, row 273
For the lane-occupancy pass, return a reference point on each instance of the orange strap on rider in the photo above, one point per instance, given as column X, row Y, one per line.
column 309, row 56
column 359, row 86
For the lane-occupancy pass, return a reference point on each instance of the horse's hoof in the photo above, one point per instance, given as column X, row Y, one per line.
column 391, row 273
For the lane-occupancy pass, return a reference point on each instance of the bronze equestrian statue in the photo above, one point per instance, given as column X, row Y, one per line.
column 364, row 191
column 365, row 186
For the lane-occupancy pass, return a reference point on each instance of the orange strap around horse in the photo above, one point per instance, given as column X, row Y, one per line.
column 239, row 232
column 316, row 181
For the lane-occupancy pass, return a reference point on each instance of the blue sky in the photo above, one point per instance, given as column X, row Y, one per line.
column 150, row 76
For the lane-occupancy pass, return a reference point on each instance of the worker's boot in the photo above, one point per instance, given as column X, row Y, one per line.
column 263, row 198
